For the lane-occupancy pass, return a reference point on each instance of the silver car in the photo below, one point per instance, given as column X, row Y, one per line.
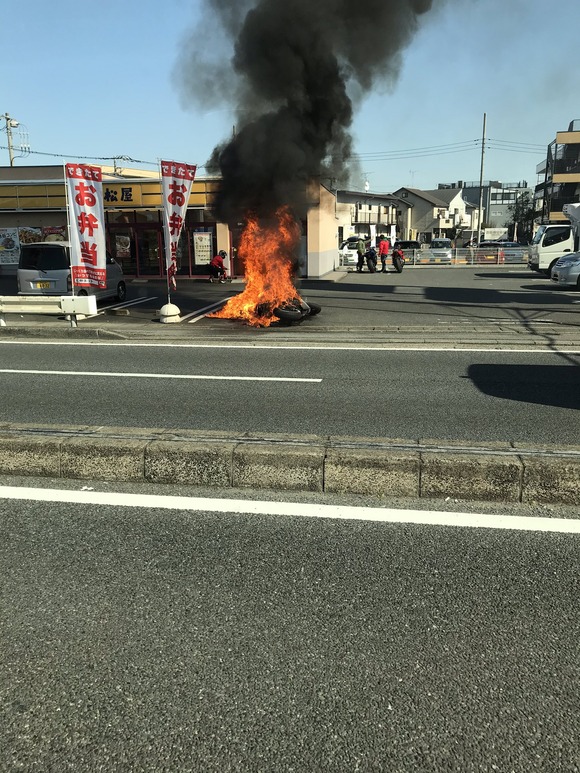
column 44, row 269
column 566, row 271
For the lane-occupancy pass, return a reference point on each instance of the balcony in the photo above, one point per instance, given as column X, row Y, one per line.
column 372, row 217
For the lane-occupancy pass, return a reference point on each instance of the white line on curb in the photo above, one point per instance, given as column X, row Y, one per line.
column 298, row 347
column 185, row 376
column 296, row 509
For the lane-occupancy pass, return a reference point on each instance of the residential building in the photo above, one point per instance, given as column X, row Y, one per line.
column 370, row 214
column 497, row 198
column 561, row 171
column 436, row 213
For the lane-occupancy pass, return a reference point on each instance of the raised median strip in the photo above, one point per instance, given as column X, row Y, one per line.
column 429, row 468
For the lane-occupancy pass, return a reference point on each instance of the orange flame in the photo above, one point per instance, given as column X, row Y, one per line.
column 268, row 251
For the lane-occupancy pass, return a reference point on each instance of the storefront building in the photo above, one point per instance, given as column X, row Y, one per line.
column 33, row 208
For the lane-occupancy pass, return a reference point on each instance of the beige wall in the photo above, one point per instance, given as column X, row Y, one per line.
column 322, row 235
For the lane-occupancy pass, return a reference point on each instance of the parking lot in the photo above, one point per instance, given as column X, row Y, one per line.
column 434, row 298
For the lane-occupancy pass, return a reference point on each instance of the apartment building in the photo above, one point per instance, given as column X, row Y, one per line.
column 437, row 213
column 497, row 198
column 559, row 176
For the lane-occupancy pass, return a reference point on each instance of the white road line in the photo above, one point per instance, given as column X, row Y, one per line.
column 296, row 509
column 156, row 375
column 202, row 312
column 120, row 306
column 298, row 347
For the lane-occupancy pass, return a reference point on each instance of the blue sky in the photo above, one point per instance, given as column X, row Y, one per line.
column 99, row 80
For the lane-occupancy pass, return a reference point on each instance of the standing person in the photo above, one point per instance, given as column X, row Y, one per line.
column 360, row 251
column 217, row 270
column 384, row 246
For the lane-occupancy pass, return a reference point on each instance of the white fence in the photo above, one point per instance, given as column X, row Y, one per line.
column 476, row 256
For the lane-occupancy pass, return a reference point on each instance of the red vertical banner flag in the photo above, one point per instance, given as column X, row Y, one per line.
column 176, row 182
column 86, row 225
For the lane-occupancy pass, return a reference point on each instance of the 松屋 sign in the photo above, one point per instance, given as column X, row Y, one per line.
column 87, row 225
column 176, row 182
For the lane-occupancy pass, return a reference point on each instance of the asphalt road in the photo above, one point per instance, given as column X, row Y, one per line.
column 464, row 395
column 433, row 296
column 146, row 640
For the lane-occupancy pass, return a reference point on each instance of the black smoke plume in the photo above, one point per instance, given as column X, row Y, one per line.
column 296, row 67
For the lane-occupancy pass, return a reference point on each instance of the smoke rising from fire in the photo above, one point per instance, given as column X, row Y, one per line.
column 296, row 67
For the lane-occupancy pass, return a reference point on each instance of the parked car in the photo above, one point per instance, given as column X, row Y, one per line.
column 514, row 252
column 566, row 272
column 347, row 253
column 407, row 245
column 44, row 269
column 489, row 252
column 441, row 250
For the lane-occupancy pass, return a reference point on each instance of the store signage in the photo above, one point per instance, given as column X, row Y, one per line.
column 176, row 182
column 202, row 248
column 86, row 225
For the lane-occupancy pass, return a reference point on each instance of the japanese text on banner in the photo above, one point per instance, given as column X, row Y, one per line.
column 176, row 182
column 87, row 225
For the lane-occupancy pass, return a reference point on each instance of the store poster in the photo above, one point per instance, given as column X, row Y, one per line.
column 9, row 246
column 202, row 248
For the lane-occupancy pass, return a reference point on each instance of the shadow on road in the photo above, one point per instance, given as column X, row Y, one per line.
column 555, row 385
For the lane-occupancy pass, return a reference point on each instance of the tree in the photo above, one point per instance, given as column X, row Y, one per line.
column 521, row 218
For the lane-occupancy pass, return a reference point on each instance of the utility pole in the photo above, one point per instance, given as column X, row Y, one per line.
column 481, row 181
column 10, row 124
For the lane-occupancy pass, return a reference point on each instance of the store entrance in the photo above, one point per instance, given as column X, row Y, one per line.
column 149, row 247
column 138, row 249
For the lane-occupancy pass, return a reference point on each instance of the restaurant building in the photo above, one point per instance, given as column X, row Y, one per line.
column 33, row 208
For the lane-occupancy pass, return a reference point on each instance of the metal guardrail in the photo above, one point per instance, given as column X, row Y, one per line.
column 70, row 306
column 476, row 256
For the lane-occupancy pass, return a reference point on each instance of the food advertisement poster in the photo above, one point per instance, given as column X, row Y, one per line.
column 9, row 245
column 30, row 235
column 54, row 233
column 202, row 248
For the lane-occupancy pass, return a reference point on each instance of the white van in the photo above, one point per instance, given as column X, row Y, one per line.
column 44, row 269
column 550, row 243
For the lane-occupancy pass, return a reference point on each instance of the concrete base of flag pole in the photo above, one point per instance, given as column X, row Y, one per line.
column 169, row 313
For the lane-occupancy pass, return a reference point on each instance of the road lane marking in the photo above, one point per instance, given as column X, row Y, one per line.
column 185, row 376
column 304, row 348
column 296, row 510
column 203, row 311
column 120, row 306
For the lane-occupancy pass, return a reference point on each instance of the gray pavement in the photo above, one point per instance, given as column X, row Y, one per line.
column 422, row 308
column 161, row 642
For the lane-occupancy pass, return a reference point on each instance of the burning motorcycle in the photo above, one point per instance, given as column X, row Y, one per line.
column 295, row 310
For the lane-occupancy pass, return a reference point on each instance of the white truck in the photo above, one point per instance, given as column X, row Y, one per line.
column 552, row 242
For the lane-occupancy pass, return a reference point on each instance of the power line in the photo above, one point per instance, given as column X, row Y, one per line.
column 89, row 158
column 510, row 142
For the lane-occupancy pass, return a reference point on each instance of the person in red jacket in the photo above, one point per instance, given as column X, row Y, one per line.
column 384, row 246
column 217, row 270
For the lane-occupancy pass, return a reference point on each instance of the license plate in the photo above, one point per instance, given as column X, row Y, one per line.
column 43, row 285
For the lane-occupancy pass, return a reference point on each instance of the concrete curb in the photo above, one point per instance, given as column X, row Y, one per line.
column 495, row 472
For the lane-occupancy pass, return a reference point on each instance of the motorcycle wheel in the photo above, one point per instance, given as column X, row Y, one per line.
column 288, row 313
column 398, row 264
column 314, row 309
column 372, row 266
